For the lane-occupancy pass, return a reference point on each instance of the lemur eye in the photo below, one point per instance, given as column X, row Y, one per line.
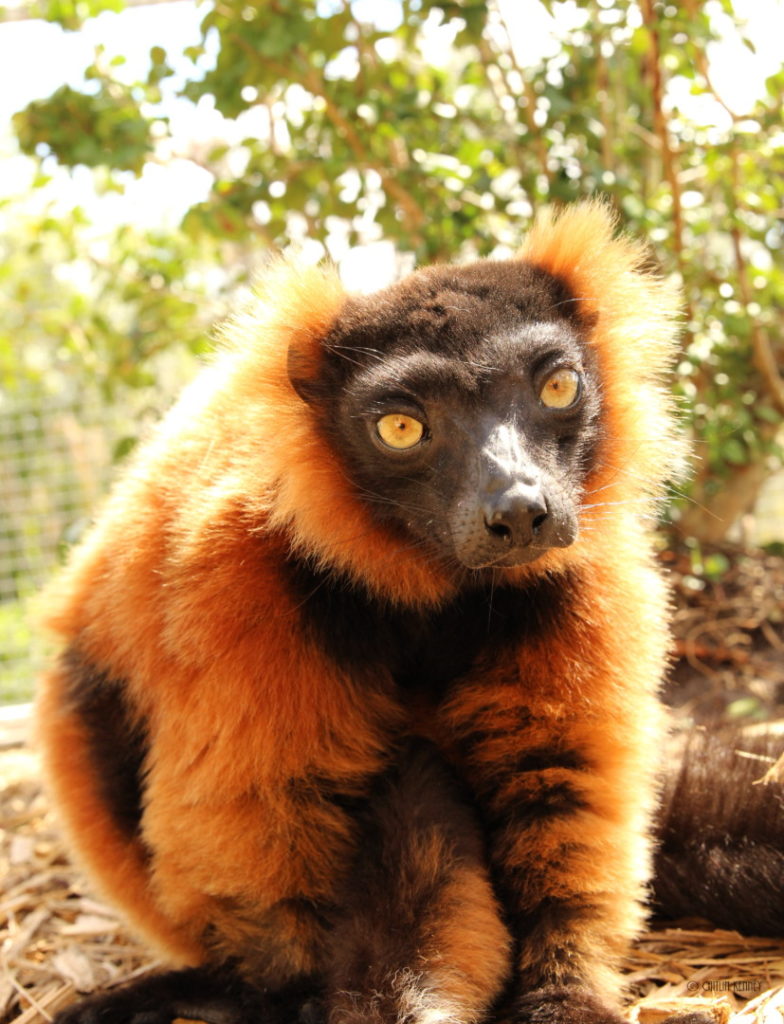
column 399, row 431
column 561, row 389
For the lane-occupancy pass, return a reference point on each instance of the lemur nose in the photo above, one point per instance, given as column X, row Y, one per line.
column 515, row 516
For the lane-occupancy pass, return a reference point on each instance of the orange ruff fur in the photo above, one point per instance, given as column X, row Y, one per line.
column 177, row 601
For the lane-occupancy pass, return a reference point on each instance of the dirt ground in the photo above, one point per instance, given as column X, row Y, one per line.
column 57, row 939
column 729, row 632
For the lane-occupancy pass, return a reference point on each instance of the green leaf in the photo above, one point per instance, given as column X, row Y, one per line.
column 735, row 452
column 768, row 414
column 123, row 448
column 745, row 707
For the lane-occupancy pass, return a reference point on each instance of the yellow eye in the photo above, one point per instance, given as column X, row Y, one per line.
column 400, row 431
column 561, row 389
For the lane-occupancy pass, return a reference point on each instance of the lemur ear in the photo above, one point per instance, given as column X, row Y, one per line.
column 304, row 365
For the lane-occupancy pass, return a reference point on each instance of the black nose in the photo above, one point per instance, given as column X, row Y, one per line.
column 513, row 517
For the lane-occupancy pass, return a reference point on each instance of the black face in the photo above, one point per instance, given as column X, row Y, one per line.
column 465, row 406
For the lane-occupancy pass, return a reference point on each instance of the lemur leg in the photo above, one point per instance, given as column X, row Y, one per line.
column 419, row 937
column 567, row 845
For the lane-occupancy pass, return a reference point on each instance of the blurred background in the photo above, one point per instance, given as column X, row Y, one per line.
column 155, row 155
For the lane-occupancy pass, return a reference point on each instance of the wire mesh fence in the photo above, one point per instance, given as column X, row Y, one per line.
column 56, row 460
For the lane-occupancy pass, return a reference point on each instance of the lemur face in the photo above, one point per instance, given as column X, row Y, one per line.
column 466, row 410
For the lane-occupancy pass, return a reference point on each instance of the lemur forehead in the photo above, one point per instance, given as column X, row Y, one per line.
column 448, row 308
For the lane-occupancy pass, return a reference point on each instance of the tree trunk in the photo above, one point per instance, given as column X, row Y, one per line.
column 710, row 518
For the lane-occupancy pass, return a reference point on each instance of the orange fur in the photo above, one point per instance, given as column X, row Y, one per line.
column 178, row 592
column 468, row 962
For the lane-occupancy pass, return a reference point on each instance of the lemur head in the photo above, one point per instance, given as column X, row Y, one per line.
column 464, row 403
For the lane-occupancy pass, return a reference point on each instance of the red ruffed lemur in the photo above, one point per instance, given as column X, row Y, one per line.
column 356, row 717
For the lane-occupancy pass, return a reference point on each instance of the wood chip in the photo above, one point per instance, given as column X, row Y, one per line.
column 90, row 924
column 76, row 967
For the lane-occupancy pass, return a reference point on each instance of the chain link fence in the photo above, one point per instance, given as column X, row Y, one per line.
column 57, row 459
column 55, row 462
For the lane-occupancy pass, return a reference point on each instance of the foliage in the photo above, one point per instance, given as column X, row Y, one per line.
column 72, row 14
column 86, row 321
column 427, row 124
column 60, row 337
column 15, row 628
column 87, row 129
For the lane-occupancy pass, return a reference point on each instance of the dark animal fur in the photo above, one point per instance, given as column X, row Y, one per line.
column 720, row 853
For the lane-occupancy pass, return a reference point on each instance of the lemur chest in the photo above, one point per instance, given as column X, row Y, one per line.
column 424, row 652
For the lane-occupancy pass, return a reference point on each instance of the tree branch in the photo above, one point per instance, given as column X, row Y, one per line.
column 413, row 214
column 656, row 78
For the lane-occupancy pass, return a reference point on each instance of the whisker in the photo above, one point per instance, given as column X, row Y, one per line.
column 609, row 504
column 376, row 352
column 576, row 298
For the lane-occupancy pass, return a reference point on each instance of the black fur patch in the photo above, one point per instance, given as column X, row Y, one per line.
column 549, row 800
column 399, row 879
column 213, row 995
column 117, row 742
column 539, row 759
column 424, row 651
column 470, row 744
